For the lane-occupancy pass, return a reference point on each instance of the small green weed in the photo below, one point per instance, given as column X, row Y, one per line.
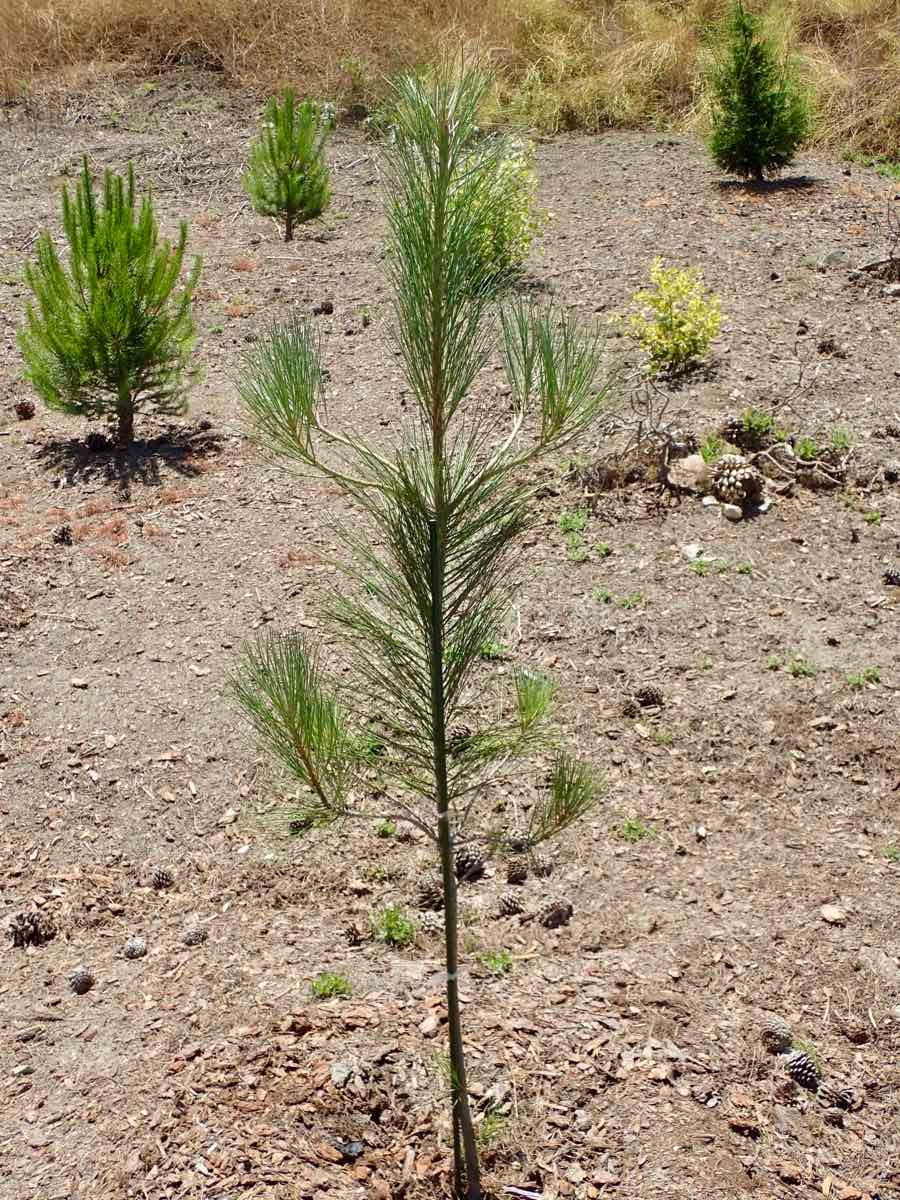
column 498, row 962
column 841, row 438
column 662, row 737
column 707, row 663
column 602, row 595
column 217, row 329
column 393, row 927
column 721, row 566
column 634, row 830
column 744, row 568
column 573, row 522
column 712, row 448
column 632, row 601
column 494, row 651
column 757, row 424
column 489, row 1128
column 806, row 449
column 329, row 984
column 866, row 675
column 701, row 567
column 872, row 518
column 773, row 663
column 892, row 852
column 603, row 550
column 386, row 829
column 576, row 550
column 377, row 873
column 801, row 668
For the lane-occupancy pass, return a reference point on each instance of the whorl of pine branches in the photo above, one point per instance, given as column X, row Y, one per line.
column 109, row 333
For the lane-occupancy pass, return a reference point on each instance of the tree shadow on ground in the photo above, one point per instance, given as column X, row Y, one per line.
column 178, row 449
column 764, row 187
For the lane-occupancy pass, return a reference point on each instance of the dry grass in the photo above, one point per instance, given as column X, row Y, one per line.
column 560, row 63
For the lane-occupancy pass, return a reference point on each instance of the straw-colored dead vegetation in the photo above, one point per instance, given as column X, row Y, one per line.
column 560, row 63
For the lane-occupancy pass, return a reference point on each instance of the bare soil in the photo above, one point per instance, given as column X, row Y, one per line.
column 622, row 1050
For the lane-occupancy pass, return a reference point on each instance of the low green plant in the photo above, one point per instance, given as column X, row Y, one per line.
column 773, row 663
column 760, row 113
column 497, row 962
column 801, row 668
column 603, row 550
column 677, row 319
column 633, row 830
column 712, row 448
column 806, row 449
column 386, row 829
column 287, row 175
column 109, row 334
column 329, row 984
column 573, row 522
column 707, row 663
column 662, row 737
column 632, row 600
column 576, row 551
column 701, row 566
column 866, row 675
column 842, row 438
column 489, row 1128
column 892, row 852
column 493, row 651
column 392, row 926
column 508, row 220
column 744, row 568
column 722, row 566
column 757, row 424
column 602, row 595
column 872, row 518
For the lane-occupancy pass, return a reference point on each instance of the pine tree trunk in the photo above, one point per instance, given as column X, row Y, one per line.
column 467, row 1185
column 289, row 227
column 125, row 418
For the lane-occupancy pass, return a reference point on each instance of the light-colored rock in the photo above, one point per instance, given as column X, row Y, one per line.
column 732, row 512
column 692, row 551
column 833, row 914
column 691, row 472
column 709, row 502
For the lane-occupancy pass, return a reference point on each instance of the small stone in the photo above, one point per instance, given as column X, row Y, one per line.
column 764, row 505
column 341, row 1073
column 690, row 472
column 228, row 817
column 692, row 551
column 323, row 309
column 709, row 502
column 833, row 914
column 81, row 684
column 732, row 512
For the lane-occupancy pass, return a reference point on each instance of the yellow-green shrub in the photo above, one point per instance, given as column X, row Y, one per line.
column 510, row 219
column 677, row 320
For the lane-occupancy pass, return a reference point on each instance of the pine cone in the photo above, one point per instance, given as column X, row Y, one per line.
column 81, row 980
column 892, row 471
column 832, row 1095
column 649, row 696
column 24, row 409
column 892, row 577
column 458, row 739
column 469, row 865
column 161, row 878
column 886, row 431
column 516, row 843
column 353, row 935
column 431, row 892
column 62, row 535
column 509, row 905
column 776, row 1035
column 803, row 1070
column 555, row 914
column 431, row 924
column 542, row 867
column 299, row 825
column 631, row 708
column 734, row 481
column 194, row 935
column 96, row 442
column 31, row 929
column 135, row 947
column 732, row 430
column 517, row 869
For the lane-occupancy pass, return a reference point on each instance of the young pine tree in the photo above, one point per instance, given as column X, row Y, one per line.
column 433, row 563
column 760, row 113
column 109, row 333
column 287, row 176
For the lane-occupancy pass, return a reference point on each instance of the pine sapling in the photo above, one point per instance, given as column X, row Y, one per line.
column 433, row 561
column 287, row 176
column 761, row 114
column 110, row 333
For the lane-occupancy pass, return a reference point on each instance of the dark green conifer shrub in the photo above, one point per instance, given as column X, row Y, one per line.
column 760, row 112
column 287, row 176
column 108, row 334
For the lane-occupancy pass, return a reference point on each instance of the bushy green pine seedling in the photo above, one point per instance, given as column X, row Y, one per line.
column 287, row 176
column 433, row 562
column 760, row 113
column 109, row 334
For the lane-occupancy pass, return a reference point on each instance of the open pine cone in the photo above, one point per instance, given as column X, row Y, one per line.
column 734, row 481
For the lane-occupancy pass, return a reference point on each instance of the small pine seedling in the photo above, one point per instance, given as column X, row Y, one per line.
column 393, row 927
column 497, row 962
column 489, row 1128
column 634, row 830
column 866, row 675
column 329, row 984
column 760, row 113
column 287, row 176
column 109, row 333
